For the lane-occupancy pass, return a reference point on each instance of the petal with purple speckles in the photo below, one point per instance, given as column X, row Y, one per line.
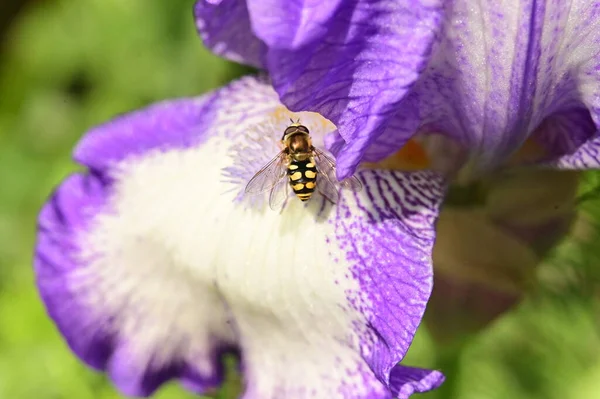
column 153, row 266
column 585, row 157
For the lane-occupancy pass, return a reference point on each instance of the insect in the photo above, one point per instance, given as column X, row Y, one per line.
column 302, row 167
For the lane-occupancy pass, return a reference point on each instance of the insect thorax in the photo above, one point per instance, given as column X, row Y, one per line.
column 299, row 146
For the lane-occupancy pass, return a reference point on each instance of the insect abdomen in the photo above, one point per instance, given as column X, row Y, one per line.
column 303, row 178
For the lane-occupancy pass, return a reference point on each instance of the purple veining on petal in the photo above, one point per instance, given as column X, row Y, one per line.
column 586, row 157
column 500, row 73
column 82, row 294
column 496, row 73
column 358, row 75
column 225, row 28
column 404, row 381
column 389, row 242
column 563, row 133
column 365, row 60
column 291, row 24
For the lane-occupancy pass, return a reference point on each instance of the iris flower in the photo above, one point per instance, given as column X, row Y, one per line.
column 485, row 76
column 154, row 264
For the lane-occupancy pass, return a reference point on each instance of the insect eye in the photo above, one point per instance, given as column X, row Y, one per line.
column 290, row 129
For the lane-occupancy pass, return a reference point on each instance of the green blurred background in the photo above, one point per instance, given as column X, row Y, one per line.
column 66, row 65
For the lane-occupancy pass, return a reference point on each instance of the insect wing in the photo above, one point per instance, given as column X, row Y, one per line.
column 327, row 188
column 326, row 166
column 266, row 178
column 351, row 183
column 279, row 194
column 327, row 183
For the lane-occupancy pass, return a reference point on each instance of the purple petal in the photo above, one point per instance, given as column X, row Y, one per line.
column 172, row 124
column 356, row 74
column 564, row 132
column 395, row 230
column 152, row 270
column 70, row 212
column 176, row 124
column 64, row 214
column 225, row 28
column 291, row 24
column 503, row 71
column 498, row 73
column 586, row 157
column 404, row 381
column 60, row 276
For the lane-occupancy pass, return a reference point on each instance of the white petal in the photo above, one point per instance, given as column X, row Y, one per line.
column 175, row 268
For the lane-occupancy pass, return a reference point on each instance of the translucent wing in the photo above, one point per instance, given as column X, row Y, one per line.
column 326, row 168
column 327, row 188
column 279, row 194
column 271, row 174
column 351, row 183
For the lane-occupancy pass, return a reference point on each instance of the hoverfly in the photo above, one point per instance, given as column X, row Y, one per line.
column 307, row 168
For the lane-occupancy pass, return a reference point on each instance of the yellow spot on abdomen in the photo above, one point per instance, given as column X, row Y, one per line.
column 310, row 174
column 298, row 187
column 296, row 176
column 310, row 184
column 293, row 167
column 310, row 165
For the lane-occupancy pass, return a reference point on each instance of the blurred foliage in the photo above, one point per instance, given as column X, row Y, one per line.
column 69, row 64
